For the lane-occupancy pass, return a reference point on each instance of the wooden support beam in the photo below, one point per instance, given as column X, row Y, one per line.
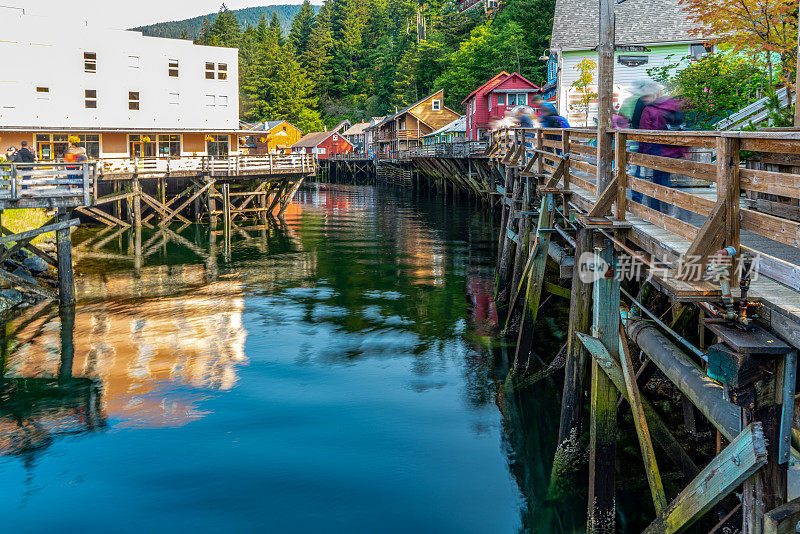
column 746, row 454
column 642, row 428
column 603, row 401
column 663, row 437
column 783, row 519
column 185, row 203
column 63, row 223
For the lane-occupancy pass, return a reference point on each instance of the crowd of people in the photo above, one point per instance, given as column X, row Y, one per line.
column 73, row 154
column 648, row 108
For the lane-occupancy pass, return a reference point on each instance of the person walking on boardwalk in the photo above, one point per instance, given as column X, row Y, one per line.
column 549, row 117
column 664, row 113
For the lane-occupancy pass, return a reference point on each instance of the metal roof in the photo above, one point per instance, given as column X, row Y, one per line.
column 458, row 125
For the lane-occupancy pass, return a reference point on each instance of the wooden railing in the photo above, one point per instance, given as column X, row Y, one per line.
column 231, row 165
column 449, row 150
column 399, row 135
column 33, row 185
column 567, row 159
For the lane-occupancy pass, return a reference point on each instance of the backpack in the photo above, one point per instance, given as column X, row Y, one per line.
column 676, row 120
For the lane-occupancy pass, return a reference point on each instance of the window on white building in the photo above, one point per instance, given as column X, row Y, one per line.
column 437, row 105
column 169, row 145
column 174, row 98
column 90, row 98
column 173, row 68
column 210, row 71
column 133, row 100
column 133, row 62
column 43, row 93
column 222, row 71
column 222, row 101
column 90, row 62
column 211, row 101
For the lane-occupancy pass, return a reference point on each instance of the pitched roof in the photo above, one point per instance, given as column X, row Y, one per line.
column 575, row 25
column 458, row 125
column 518, row 76
column 263, row 126
column 315, row 139
column 483, row 89
column 356, row 129
column 390, row 118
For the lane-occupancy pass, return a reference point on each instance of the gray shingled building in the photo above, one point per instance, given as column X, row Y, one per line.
column 659, row 29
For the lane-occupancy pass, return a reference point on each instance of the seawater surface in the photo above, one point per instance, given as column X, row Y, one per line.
column 338, row 371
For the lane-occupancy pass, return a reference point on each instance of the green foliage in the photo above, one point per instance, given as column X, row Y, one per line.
column 191, row 28
column 714, row 86
column 355, row 59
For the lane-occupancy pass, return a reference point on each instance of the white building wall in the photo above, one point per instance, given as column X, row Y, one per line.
column 43, row 52
column 624, row 76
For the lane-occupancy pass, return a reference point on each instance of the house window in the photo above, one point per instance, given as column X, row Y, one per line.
column 133, row 100
column 335, row 137
column 222, row 101
column 210, row 101
column 133, row 62
column 696, row 51
column 90, row 62
column 90, row 98
column 437, row 105
column 210, row 68
column 217, row 145
column 43, row 93
column 169, row 145
column 174, row 98
column 517, row 99
column 173, row 68
column 222, row 73
column 501, row 100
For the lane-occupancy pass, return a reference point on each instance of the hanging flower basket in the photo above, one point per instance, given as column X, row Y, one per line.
column 74, row 139
column 209, row 138
column 262, row 140
column 146, row 139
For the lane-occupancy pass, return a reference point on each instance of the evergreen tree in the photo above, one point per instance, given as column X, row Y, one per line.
column 275, row 28
column 302, row 26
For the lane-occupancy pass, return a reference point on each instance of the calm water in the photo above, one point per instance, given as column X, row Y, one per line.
column 335, row 373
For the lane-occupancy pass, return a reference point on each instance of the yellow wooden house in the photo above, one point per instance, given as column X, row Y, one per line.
column 271, row 137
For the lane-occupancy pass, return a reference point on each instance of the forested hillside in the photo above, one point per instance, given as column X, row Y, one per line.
column 191, row 28
column 360, row 58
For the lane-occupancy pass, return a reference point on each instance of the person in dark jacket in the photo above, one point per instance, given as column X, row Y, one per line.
column 24, row 154
column 549, row 117
column 660, row 115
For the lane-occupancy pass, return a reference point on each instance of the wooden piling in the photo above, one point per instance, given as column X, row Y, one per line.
column 66, row 275
column 575, row 368
column 603, row 416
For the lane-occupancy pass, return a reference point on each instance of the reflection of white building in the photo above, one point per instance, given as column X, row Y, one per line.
column 121, row 93
column 140, row 351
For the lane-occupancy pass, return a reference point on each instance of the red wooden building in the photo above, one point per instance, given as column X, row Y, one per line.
column 323, row 144
column 492, row 99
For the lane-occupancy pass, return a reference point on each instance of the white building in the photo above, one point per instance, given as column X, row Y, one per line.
column 122, row 93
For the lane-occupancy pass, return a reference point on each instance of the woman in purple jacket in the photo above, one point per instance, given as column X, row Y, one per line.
column 663, row 113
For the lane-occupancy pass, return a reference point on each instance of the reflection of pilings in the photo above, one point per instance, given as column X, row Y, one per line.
column 66, row 277
column 67, row 343
column 226, row 216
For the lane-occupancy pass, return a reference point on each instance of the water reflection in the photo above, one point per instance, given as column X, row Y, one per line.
column 338, row 365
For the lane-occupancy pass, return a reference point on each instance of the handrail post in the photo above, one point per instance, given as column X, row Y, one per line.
column 13, row 181
column 540, row 146
column 729, row 187
column 86, row 184
column 621, row 170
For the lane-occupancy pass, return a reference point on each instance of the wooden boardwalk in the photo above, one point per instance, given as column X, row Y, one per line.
column 731, row 356
column 137, row 192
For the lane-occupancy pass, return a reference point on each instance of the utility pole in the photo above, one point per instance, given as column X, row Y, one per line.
column 605, row 92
